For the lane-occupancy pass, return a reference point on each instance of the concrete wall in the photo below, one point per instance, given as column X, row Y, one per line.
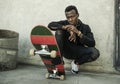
column 22, row 15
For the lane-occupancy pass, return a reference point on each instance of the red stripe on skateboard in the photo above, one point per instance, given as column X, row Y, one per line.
column 45, row 40
column 60, row 67
column 47, row 62
column 50, row 69
column 59, row 70
column 58, row 53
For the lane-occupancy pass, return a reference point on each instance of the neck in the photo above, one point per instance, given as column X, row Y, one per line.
column 76, row 22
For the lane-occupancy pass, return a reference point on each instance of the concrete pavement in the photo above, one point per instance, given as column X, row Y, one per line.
column 27, row 74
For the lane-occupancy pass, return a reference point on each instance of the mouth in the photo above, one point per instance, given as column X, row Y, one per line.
column 70, row 22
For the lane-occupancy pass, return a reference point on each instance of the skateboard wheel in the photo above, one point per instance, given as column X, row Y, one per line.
column 62, row 77
column 47, row 75
column 32, row 52
column 53, row 54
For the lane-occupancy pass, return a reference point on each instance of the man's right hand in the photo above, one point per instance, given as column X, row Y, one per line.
column 72, row 36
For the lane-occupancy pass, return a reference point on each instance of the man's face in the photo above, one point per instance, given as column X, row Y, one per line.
column 72, row 17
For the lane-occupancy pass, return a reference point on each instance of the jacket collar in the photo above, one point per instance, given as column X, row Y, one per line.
column 79, row 23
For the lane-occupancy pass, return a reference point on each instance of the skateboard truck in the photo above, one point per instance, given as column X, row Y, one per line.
column 54, row 75
column 43, row 51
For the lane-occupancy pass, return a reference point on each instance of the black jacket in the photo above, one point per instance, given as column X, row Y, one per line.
column 87, row 38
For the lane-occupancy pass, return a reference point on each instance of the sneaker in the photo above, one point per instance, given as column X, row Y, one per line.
column 75, row 68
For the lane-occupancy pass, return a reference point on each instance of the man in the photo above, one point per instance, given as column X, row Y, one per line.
column 75, row 39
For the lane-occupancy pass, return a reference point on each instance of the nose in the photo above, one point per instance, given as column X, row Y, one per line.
column 70, row 19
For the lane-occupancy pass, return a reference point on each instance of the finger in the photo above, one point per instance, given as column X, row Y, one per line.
column 74, row 40
column 70, row 38
column 68, row 28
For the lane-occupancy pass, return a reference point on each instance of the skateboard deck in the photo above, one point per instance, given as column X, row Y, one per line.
column 47, row 48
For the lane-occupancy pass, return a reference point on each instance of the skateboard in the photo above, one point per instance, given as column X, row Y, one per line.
column 47, row 48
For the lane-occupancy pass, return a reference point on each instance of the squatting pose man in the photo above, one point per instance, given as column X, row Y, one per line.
column 75, row 39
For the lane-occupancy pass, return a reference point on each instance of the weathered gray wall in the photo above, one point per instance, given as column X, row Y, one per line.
column 23, row 15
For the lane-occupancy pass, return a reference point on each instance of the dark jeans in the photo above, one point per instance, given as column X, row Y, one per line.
column 80, row 54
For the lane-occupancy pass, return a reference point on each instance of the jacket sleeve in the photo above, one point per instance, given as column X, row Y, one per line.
column 87, row 38
column 56, row 25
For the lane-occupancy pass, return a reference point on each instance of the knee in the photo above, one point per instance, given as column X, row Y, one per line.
column 59, row 35
column 95, row 54
column 58, row 32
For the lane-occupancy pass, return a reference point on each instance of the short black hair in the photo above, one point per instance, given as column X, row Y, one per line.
column 71, row 7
